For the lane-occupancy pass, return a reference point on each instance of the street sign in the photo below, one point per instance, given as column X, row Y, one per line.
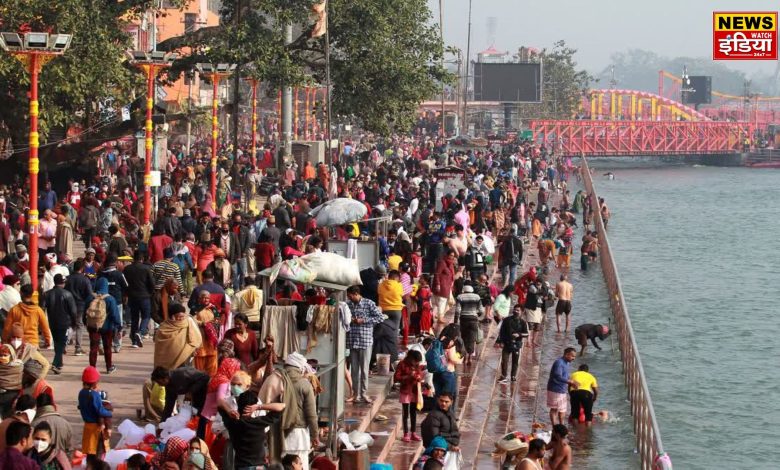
column 156, row 180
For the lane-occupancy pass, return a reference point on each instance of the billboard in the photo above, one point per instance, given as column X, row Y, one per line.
column 701, row 90
column 508, row 82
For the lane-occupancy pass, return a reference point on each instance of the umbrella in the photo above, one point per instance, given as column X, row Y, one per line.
column 339, row 211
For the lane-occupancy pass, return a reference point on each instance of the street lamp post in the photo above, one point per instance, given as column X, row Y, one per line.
column 34, row 50
column 151, row 63
column 215, row 73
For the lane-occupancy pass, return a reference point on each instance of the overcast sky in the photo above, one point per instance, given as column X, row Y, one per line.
column 597, row 28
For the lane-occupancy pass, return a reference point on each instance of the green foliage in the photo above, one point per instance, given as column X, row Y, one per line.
column 91, row 74
column 385, row 56
column 384, row 53
column 564, row 85
column 386, row 61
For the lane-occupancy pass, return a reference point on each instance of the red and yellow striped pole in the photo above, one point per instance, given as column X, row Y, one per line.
column 149, row 142
column 214, row 135
column 254, row 123
column 32, row 217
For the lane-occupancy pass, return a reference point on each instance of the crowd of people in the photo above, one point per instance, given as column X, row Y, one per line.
column 188, row 285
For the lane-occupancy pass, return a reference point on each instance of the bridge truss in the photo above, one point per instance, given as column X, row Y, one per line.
column 636, row 138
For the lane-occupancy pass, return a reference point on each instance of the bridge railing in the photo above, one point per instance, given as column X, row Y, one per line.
column 633, row 138
column 646, row 430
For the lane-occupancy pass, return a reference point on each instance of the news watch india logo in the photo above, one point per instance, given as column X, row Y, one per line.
column 744, row 35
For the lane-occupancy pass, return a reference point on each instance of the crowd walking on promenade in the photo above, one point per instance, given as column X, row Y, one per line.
column 189, row 286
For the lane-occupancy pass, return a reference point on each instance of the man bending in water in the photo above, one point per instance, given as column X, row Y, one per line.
column 589, row 331
column 564, row 291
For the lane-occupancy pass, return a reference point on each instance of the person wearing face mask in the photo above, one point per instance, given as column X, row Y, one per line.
column 229, row 242
column 61, row 430
column 15, row 442
column 247, row 431
column 24, row 412
column 44, row 452
column 10, row 379
column 198, row 457
column 219, row 387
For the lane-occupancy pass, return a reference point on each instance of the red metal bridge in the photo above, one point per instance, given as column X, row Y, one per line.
column 636, row 138
column 634, row 123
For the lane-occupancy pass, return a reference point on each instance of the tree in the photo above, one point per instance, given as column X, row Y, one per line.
column 382, row 71
column 82, row 89
column 563, row 85
column 384, row 54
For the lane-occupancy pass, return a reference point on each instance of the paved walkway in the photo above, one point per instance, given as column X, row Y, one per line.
column 486, row 409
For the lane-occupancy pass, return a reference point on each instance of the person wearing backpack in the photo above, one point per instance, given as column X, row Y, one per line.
column 441, row 360
column 102, row 320
column 117, row 287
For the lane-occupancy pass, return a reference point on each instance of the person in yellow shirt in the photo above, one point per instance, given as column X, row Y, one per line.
column 154, row 395
column 391, row 297
column 394, row 262
column 32, row 318
column 583, row 395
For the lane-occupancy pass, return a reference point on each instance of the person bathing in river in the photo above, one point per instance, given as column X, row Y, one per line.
column 564, row 291
column 560, row 457
column 589, row 331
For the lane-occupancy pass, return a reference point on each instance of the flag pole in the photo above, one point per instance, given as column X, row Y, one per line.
column 329, row 157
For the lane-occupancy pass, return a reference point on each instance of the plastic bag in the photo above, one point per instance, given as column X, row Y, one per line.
column 297, row 270
column 513, row 443
column 132, row 434
column 359, row 438
column 333, row 268
column 116, row 457
column 186, row 434
column 339, row 211
column 176, row 423
column 452, row 461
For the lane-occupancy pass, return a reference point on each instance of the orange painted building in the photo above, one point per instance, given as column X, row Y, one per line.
column 170, row 22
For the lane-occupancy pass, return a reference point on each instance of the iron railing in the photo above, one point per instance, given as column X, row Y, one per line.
column 646, row 430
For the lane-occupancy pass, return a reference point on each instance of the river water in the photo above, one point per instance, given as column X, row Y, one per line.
column 697, row 251
column 604, row 445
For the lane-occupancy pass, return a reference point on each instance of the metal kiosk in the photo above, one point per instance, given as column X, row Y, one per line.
column 330, row 352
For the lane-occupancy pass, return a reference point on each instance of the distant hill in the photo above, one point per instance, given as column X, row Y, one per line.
column 637, row 69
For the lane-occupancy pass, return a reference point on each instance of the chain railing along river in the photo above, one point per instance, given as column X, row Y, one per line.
column 646, row 429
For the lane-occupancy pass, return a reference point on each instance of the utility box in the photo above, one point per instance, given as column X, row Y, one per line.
column 312, row 151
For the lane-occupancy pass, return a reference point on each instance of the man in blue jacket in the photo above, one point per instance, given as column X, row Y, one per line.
column 558, row 386
column 105, row 333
